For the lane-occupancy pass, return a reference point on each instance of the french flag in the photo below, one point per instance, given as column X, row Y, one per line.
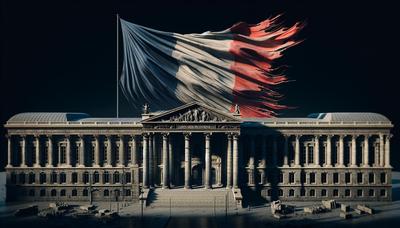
column 221, row 69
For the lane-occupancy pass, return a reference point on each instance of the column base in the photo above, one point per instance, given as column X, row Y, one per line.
column 366, row 166
column 328, row 166
column 49, row 166
column 340, row 166
column 207, row 187
column 36, row 166
column 317, row 166
column 96, row 166
column 108, row 166
column 353, row 166
column 285, row 166
column 388, row 166
column 228, row 187
column 187, row 187
column 120, row 165
column 297, row 166
column 67, row 166
column 9, row 166
column 164, row 187
column 23, row 166
column 81, row 166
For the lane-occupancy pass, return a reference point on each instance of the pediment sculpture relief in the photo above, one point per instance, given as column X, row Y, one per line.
column 195, row 115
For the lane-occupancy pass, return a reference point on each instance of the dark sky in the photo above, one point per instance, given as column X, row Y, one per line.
column 60, row 56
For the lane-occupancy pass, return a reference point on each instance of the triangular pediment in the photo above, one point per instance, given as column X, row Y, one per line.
column 193, row 112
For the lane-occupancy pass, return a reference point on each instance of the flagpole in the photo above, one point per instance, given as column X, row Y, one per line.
column 117, row 66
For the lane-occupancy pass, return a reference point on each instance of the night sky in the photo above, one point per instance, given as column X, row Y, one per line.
column 60, row 56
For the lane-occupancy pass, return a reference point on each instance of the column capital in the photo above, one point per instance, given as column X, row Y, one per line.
column 329, row 136
column 96, row 136
column 165, row 134
column 187, row 135
column 298, row 136
column 68, row 137
column 342, row 136
column 235, row 135
column 354, row 136
column 7, row 136
column 23, row 136
column 367, row 136
column 81, row 136
column 207, row 134
column 145, row 135
column 389, row 136
column 286, row 136
column 317, row 136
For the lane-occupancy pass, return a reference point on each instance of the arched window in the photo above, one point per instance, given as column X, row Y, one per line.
column 74, row 192
column 53, row 177
column 53, row 192
column 62, row 192
column 291, row 192
column 128, row 177
column 74, row 177
column 312, row 192
column 106, row 193
column 116, row 177
column 42, row 192
column 323, row 192
column 85, row 177
column 22, row 178
column 42, row 178
column 96, row 177
column 106, row 177
column 85, row 192
column 31, row 178
column 63, row 178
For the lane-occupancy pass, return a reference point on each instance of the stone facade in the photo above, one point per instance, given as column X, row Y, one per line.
column 70, row 156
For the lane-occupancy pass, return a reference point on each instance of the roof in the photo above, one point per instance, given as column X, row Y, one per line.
column 47, row 117
column 350, row 116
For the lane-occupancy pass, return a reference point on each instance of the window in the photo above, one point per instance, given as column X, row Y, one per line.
column 74, row 192
column 335, row 178
column 280, row 192
column 347, row 178
column 42, row 178
column 347, row 192
column 359, row 178
column 371, row 178
column 128, row 178
column 85, row 177
column 105, row 148
column 96, row 177
column 31, row 178
column 116, row 153
column 323, row 178
column 323, row 192
column 371, row 192
column 53, row 192
column 92, row 151
column 31, row 192
column 383, row 178
column 74, row 177
column 62, row 192
column 291, row 178
column 312, row 178
column 310, row 154
column 85, row 192
column 63, row 178
column 359, row 192
column 106, row 177
column 302, row 192
column 335, row 193
column 106, row 193
column 13, row 178
column 269, row 192
column 22, row 178
column 116, row 177
column 42, row 192
column 312, row 192
column 53, row 177
column 127, row 192
column 383, row 192
column 303, row 177
column 128, row 155
column 63, row 153
column 291, row 192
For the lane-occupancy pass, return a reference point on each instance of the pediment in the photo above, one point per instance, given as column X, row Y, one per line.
column 193, row 113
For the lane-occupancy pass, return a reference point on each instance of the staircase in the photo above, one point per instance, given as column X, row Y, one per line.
column 202, row 198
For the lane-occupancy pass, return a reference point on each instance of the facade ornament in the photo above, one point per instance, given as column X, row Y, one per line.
column 237, row 109
column 196, row 115
column 146, row 108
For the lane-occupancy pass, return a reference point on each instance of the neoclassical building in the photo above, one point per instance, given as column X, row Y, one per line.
column 72, row 156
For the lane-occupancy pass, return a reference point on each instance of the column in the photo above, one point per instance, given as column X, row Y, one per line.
column 229, row 162
column 187, row 162
column 82, row 151
column 23, row 151
column 235, row 160
column 50, row 151
column 381, row 151
column 165, row 161
column 68, row 151
column 316, row 151
column 133, row 151
column 274, row 150
column 353, row 151
column 263, row 151
column 286, row 151
column 145, row 161
column 207, row 183
column 366, row 151
column 121, row 162
column 328, row 158
column 150, row 160
column 341, row 151
column 154, row 160
column 252, row 152
column 297, row 152
column 37, row 151
column 387, row 151
column 306, row 153
column 9, row 151
column 109, row 151
column 171, row 162
column 96, row 151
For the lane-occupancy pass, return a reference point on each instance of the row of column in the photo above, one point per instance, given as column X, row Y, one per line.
column 81, row 155
column 167, row 158
column 383, row 158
